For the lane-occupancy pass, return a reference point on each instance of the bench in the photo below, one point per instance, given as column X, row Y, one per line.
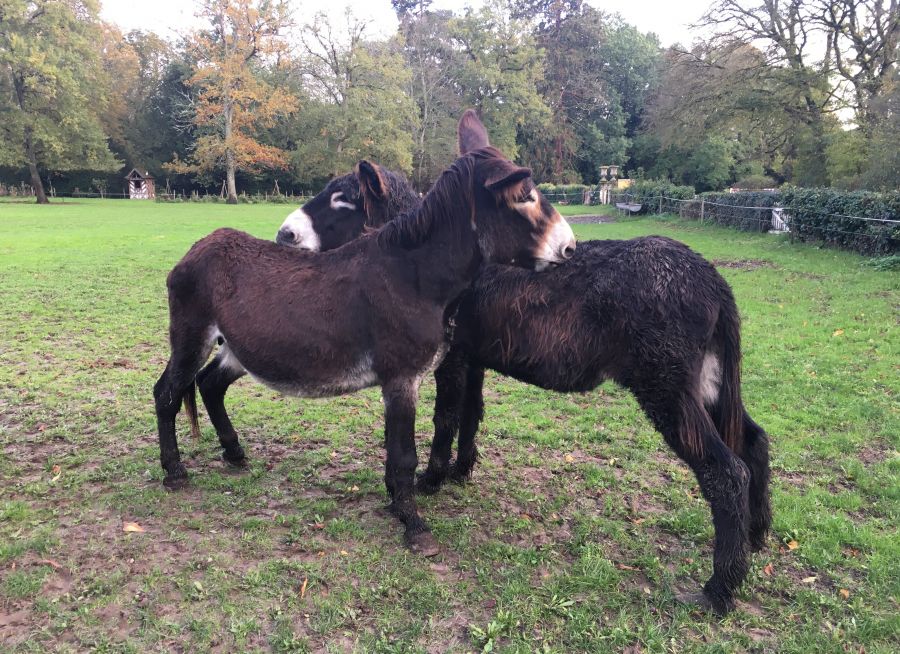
column 629, row 207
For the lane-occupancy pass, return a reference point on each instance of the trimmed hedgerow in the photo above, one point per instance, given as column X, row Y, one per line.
column 645, row 189
column 739, row 210
column 565, row 193
column 831, row 216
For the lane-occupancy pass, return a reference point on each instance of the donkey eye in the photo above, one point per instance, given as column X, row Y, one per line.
column 339, row 201
column 531, row 196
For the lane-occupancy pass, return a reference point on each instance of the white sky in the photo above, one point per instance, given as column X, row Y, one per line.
column 668, row 19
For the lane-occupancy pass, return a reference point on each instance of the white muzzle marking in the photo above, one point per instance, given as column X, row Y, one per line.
column 553, row 248
column 300, row 225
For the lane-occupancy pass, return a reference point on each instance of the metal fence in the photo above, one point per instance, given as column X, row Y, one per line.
column 772, row 219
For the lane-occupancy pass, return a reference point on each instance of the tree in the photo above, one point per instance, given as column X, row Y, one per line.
column 863, row 37
column 50, row 88
column 357, row 104
column 431, row 57
column 498, row 71
column 233, row 99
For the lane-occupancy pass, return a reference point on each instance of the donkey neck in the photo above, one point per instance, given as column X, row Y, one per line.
column 446, row 261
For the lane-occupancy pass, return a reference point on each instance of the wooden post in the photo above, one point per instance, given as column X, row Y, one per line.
column 702, row 208
column 660, row 205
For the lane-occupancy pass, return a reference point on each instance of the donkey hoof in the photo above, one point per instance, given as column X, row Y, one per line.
column 239, row 461
column 459, row 475
column 427, row 484
column 175, row 482
column 423, row 543
column 703, row 601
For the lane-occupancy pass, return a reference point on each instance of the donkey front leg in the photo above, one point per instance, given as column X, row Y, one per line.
column 450, row 379
column 400, row 399
column 470, row 420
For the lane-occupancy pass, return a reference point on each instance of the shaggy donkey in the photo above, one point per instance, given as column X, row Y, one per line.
column 648, row 313
column 369, row 313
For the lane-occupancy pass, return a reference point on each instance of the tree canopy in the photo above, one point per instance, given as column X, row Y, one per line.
column 803, row 92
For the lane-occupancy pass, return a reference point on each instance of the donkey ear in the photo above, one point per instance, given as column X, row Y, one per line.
column 506, row 175
column 374, row 191
column 472, row 134
column 371, row 181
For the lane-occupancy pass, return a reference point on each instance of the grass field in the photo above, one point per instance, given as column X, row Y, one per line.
column 574, row 535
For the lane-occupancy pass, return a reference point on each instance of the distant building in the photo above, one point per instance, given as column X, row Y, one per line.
column 140, row 186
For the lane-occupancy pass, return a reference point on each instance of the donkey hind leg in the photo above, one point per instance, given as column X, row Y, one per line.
column 724, row 481
column 400, row 399
column 189, row 352
column 450, row 378
column 213, row 382
column 756, row 455
column 472, row 414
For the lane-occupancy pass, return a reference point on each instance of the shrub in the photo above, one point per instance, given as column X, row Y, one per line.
column 648, row 192
column 740, row 210
column 831, row 216
column 566, row 193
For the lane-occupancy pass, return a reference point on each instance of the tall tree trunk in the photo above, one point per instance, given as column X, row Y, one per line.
column 229, row 158
column 36, row 182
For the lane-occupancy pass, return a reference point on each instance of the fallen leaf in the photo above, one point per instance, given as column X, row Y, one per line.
column 569, row 458
column 844, row 593
column 53, row 564
column 303, row 587
column 42, row 427
column 838, row 332
column 769, row 570
column 622, row 566
column 198, row 586
column 354, row 488
column 525, row 516
column 793, row 545
column 808, row 580
column 56, row 469
column 132, row 527
column 344, row 552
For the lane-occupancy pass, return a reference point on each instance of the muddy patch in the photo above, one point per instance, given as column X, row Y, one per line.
column 590, row 220
column 743, row 264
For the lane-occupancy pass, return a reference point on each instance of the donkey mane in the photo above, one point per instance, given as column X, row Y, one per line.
column 455, row 185
column 413, row 228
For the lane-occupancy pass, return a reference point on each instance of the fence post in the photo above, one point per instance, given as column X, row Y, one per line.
column 660, row 205
column 702, row 209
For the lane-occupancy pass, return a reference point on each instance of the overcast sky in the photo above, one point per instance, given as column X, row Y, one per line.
column 668, row 19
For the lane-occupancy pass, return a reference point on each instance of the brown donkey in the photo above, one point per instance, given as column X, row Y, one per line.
column 649, row 313
column 371, row 312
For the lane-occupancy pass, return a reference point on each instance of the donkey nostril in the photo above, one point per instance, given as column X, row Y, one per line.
column 284, row 236
column 568, row 251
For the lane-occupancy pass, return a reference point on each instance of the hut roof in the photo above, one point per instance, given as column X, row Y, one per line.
column 136, row 174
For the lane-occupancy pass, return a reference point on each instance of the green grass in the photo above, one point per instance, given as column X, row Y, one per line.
column 574, row 535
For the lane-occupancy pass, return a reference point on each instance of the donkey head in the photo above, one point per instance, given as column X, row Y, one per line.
column 367, row 197
column 333, row 217
column 515, row 223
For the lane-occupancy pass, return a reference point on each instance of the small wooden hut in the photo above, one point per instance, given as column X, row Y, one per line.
column 140, row 185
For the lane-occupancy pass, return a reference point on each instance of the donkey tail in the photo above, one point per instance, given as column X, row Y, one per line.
column 190, row 407
column 730, row 413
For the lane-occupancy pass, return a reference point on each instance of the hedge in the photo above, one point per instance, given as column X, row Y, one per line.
column 739, row 210
column 827, row 215
column 849, row 220
column 566, row 193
